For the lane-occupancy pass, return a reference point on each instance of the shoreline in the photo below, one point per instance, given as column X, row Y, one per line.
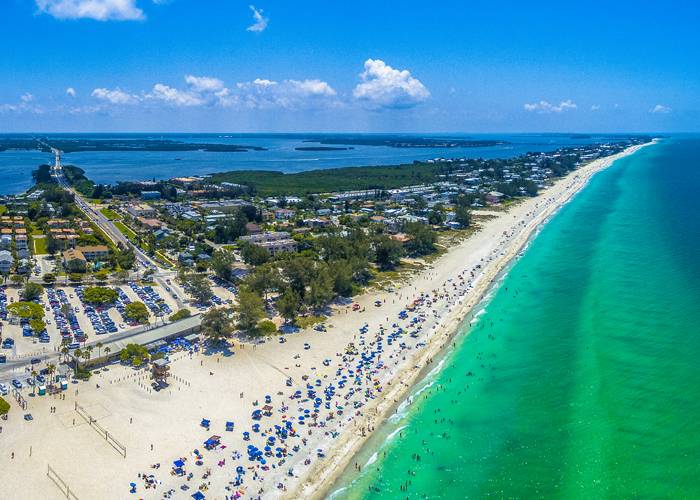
column 320, row 478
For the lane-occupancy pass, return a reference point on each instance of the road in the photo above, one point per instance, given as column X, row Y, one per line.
column 113, row 233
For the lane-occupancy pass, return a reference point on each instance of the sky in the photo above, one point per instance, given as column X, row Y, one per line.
column 363, row 66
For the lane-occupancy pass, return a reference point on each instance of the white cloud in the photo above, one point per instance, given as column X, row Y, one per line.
column 260, row 21
column 71, row 91
column 24, row 105
column 595, row 107
column 175, row 96
column 546, row 107
column 660, row 109
column 290, row 94
column 100, row 10
column 114, row 96
column 385, row 87
column 211, row 91
column 204, row 83
column 312, row 88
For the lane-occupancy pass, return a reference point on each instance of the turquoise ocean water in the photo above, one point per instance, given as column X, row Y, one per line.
column 581, row 379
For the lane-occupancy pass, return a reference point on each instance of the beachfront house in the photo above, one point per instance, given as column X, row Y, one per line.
column 6, row 262
column 494, row 197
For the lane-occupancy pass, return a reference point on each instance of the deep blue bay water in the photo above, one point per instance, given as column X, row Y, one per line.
column 109, row 167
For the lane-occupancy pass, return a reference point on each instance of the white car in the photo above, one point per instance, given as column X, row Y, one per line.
column 4, row 390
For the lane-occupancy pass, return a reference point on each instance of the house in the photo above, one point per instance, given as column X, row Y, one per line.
column 494, row 197
column 273, row 242
column 279, row 246
column 21, row 241
column 74, row 259
column 24, row 266
column 5, row 241
column 141, row 210
column 94, row 253
column 6, row 262
column 401, row 238
column 252, row 228
column 186, row 259
column 150, row 223
column 284, row 214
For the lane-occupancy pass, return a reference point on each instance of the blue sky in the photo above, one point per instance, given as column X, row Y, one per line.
column 460, row 66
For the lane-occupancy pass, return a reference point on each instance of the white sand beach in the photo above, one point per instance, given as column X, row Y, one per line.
column 356, row 389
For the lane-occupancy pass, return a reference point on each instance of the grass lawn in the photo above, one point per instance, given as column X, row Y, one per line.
column 110, row 214
column 162, row 257
column 40, row 246
column 307, row 321
column 125, row 231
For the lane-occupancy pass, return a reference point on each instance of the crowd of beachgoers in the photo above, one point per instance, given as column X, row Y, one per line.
column 284, row 419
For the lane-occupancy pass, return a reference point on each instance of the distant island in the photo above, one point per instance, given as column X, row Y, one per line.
column 398, row 141
column 82, row 145
column 322, row 148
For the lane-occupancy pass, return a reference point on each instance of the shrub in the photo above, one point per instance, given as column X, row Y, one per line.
column 181, row 314
column 4, row 406
column 267, row 327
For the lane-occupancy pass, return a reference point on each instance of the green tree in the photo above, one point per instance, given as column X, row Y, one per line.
column 137, row 312
column 288, row 305
column 320, row 291
column 217, row 324
column 32, row 291
column 251, row 310
column 37, row 325
column 436, row 217
column 222, row 263
column 254, row 255
column 463, row 216
column 388, row 252
column 26, row 310
column 49, row 278
column 17, row 279
column 264, row 279
column 199, row 287
column 266, row 328
column 99, row 295
column 422, row 240
column 133, row 354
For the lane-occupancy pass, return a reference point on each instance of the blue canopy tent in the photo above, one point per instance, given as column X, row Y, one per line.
column 198, row 495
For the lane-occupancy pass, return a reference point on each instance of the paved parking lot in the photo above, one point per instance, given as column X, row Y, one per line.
column 67, row 317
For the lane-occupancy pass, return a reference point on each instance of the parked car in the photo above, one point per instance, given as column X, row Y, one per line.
column 16, row 383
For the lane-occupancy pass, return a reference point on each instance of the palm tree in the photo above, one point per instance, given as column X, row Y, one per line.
column 50, row 370
column 77, row 354
column 99, row 349
column 107, row 351
column 65, row 351
column 34, row 374
column 87, row 353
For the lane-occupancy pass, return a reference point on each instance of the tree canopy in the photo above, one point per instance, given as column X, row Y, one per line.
column 217, row 324
column 137, row 312
column 99, row 295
